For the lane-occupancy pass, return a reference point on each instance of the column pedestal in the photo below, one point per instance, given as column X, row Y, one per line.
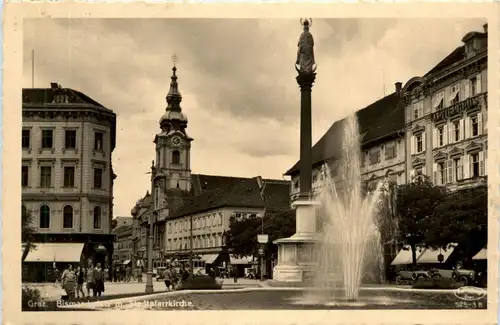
column 296, row 258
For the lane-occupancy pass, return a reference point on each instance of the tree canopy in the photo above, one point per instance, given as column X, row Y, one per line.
column 415, row 205
column 462, row 218
column 242, row 234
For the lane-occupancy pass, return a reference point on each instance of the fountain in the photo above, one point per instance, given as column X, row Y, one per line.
column 349, row 245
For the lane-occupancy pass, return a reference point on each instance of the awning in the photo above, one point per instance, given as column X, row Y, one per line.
column 431, row 255
column 55, row 252
column 126, row 262
column 240, row 261
column 481, row 255
column 209, row 258
column 404, row 256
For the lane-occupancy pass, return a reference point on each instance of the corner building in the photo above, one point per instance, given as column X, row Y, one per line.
column 67, row 177
column 446, row 117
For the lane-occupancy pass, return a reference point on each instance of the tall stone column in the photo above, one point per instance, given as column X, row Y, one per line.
column 294, row 260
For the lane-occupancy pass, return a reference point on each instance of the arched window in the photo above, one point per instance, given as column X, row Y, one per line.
column 68, row 217
column 97, row 218
column 176, row 157
column 44, row 217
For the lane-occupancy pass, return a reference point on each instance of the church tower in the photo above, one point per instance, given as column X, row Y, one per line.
column 173, row 145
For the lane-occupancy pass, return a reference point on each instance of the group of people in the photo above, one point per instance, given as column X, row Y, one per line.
column 122, row 273
column 72, row 281
column 172, row 278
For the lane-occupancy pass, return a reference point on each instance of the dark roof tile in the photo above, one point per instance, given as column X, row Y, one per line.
column 376, row 121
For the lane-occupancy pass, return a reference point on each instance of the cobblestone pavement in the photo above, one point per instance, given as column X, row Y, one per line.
column 49, row 291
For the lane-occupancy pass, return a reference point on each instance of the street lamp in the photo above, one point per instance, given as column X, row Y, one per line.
column 262, row 239
column 191, row 266
column 152, row 217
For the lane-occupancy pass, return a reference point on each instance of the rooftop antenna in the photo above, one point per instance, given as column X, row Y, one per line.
column 32, row 68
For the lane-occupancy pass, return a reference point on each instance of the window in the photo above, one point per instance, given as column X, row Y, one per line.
column 25, row 176
column 441, row 173
column 68, row 217
column 97, row 178
column 45, row 176
column 457, row 168
column 473, row 86
column 475, row 165
column 456, row 131
column 97, row 218
column 47, row 139
column 98, row 140
column 455, row 94
column 296, row 185
column 420, row 144
column 440, row 136
column 70, row 139
column 44, row 216
column 390, row 152
column 474, row 126
column 69, row 176
column 437, row 100
column 176, row 157
column 418, row 110
column 26, row 139
column 374, row 157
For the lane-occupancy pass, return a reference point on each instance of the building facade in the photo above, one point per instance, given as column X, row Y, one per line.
column 67, row 174
column 123, row 253
column 191, row 212
column 382, row 137
column 446, row 117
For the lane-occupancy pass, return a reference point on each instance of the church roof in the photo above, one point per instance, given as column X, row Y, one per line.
column 224, row 191
column 379, row 120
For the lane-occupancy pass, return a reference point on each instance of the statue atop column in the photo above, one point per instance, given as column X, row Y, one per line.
column 305, row 54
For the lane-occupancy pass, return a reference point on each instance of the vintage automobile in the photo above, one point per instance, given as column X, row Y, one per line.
column 411, row 276
column 465, row 276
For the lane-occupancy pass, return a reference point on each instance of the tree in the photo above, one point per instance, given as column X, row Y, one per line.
column 415, row 204
column 27, row 233
column 242, row 235
column 462, row 218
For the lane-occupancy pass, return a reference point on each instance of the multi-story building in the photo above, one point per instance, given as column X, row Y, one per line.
column 193, row 210
column 382, row 137
column 67, row 176
column 123, row 245
column 122, row 221
column 446, row 117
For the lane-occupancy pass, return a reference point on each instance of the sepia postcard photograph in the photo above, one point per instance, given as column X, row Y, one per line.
column 245, row 164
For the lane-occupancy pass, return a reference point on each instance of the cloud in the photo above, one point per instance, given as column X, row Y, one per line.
column 236, row 77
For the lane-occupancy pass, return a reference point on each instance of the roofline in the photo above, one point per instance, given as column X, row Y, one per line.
column 214, row 208
column 391, row 135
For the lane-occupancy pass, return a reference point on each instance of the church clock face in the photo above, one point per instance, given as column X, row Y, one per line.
column 176, row 141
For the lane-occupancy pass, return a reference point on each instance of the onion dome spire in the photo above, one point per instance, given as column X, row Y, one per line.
column 174, row 97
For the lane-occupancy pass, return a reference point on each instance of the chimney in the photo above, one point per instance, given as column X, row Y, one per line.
column 54, row 85
column 399, row 86
column 485, row 27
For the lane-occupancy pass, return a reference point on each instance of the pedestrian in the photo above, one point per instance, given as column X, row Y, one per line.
column 80, row 276
column 98, row 276
column 90, row 279
column 167, row 277
column 235, row 275
column 57, row 275
column 68, row 282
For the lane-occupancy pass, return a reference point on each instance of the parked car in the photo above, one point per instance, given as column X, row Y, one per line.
column 411, row 276
column 250, row 273
column 465, row 276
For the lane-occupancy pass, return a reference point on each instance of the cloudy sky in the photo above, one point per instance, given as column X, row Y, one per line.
column 237, row 79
